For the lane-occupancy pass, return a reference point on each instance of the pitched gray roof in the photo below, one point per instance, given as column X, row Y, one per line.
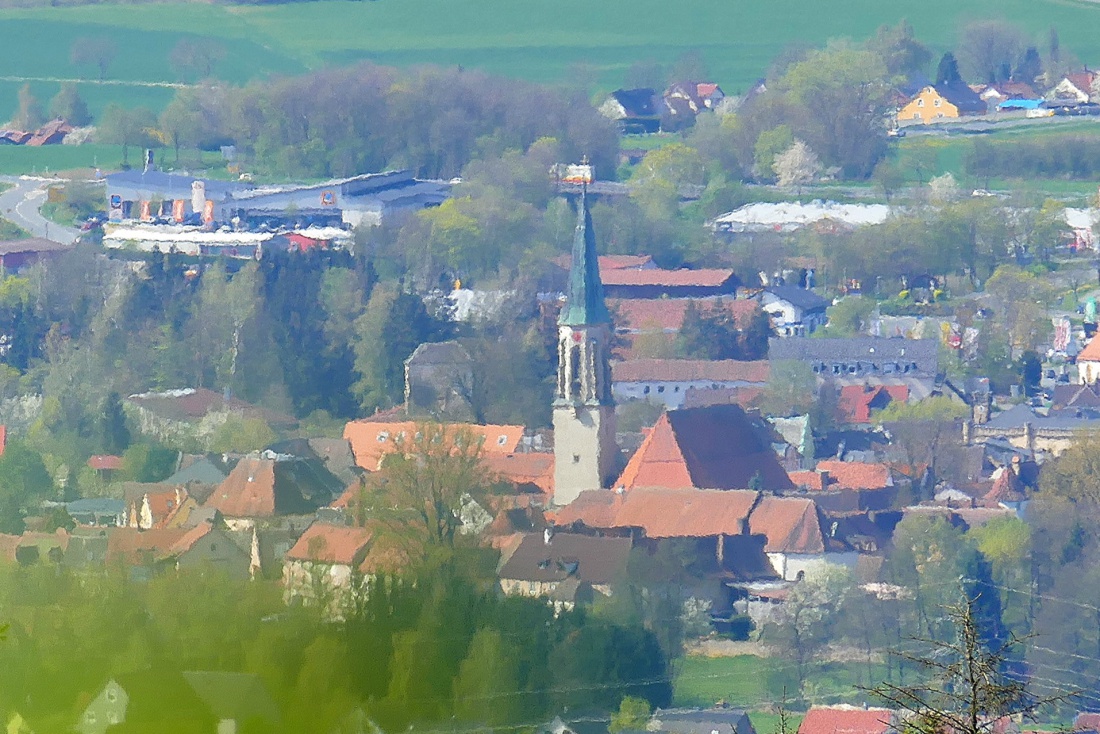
column 802, row 298
column 867, row 349
column 591, row 559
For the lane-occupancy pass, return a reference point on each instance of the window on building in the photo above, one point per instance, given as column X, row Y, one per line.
column 937, row 103
column 920, row 103
column 646, row 390
column 660, row 388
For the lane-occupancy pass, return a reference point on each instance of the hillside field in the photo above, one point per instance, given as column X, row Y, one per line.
column 571, row 41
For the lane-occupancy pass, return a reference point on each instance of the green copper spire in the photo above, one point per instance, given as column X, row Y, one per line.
column 585, row 304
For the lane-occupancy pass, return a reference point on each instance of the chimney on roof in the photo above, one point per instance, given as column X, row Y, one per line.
column 547, row 536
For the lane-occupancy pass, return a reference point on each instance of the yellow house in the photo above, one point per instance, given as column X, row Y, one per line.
column 941, row 102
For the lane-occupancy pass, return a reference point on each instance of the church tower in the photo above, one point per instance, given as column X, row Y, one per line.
column 585, row 452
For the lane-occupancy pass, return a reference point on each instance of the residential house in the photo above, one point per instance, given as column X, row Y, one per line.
column 635, row 111
column 371, row 440
column 148, row 505
column 791, row 527
column 849, row 720
column 104, row 465
column 856, row 404
column 193, row 702
column 104, row 512
column 995, row 95
column 859, row 357
column 849, row 486
column 18, row 255
column 666, row 381
column 330, row 562
column 1088, row 363
column 1081, row 87
column 439, row 382
column 268, row 485
column 700, row 721
column 683, row 101
column 565, row 567
column 794, row 311
column 208, row 545
column 940, row 102
column 716, row 447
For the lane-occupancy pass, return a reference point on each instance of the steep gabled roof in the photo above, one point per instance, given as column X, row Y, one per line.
column 802, row 298
column 790, row 524
column 1091, row 352
column 532, row 470
column 714, row 447
column 263, row 487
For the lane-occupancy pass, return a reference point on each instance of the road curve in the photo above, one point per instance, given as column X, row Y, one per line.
column 20, row 205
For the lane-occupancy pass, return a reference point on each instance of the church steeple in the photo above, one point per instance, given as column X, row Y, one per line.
column 585, row 452
column 585, row 304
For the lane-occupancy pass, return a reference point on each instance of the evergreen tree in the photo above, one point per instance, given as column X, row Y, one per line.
column 948, row 70
column 114, row 435
column 1030, row 66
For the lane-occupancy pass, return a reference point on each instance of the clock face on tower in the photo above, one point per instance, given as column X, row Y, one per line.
column 577, row 336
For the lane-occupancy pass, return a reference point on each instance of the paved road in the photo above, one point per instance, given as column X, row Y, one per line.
column 20, row 204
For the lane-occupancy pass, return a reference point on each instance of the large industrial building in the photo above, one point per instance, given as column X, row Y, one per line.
column 155, row 196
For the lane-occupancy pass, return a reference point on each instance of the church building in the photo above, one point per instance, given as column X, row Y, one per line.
column 585, row 452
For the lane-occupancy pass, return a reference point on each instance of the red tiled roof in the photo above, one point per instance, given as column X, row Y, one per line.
column 533, row 469
column 612, row 262
column 846, row 720
column 856, row 474
column 1091, row 352
column 189, row 538
column 705, row 89
column 105, row 461
column 712, row 447
column 133, row 546
column 696, row 513
column 708, row 277
column 667, row 314
column 811, row 480
column 595, row 508
column 857, row 401
column 689, row 370
column 248, row 491
column 1082, row 80
column 746, row 397
column 790, row 524
column 337, row 544
column 371, row 440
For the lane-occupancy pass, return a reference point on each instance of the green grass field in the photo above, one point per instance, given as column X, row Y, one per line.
column 745, row 681
column 567, row 40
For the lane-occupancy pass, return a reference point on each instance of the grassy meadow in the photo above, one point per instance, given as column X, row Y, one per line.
column 572, row 41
